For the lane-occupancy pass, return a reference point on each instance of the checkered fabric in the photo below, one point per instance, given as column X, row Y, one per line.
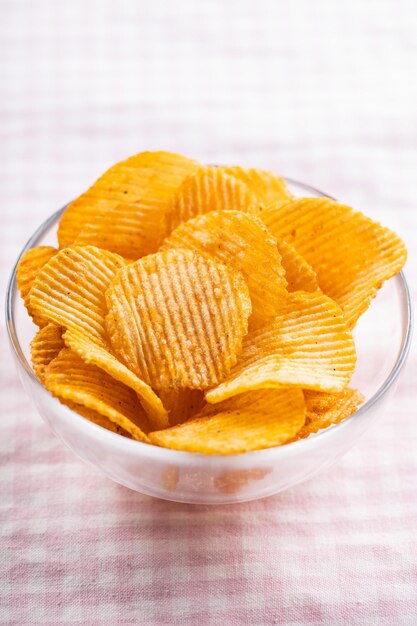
column 322, row 91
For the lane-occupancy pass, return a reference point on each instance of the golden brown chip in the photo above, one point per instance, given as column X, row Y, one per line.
column 96, row 418
column 267, row 186
column 351, row 254
column 28, row 268
column 240, row 241
column 323, row 412
column 298, row 273
column 68, row 378
column 70, row 288
column 101, row 356
column 181, row 404
column 124, row 211
column 260, row 419
column 177, row 319
column 45, row 346
column 308, row 345
column 209, row 189
column 70, row 291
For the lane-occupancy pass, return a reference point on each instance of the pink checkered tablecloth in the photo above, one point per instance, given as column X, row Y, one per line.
column 322, row 91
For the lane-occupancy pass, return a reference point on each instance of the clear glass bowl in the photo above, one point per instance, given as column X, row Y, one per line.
column 383, row 337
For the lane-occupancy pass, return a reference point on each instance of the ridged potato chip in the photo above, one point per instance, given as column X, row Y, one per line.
column 45, row 347
column 177, row 319
column 125, row 210
column 28, row 268
column 323, row 412
column 70, row 291
column 102, row 357
column 267, row 186
column 209, row 189
column 351, row 254
column 70, row 288
column 261, row 419
column 67, row 377
column 308, row 345
column 181, row 404
column 299, row 274
column 96, row 418
column 242, row 242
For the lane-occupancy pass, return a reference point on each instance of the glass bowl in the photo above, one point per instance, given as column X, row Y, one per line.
column 382, row 336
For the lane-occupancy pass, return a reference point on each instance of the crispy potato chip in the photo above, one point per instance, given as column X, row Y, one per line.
column 209, row 189
column 240, row 241
column 234, row 481
column 102, row 357
column 96, row 418
column 44, row 347
column 181, row 404
column 177, row 319
column 299, row 274
column 308, row 345
column 28, row 268
column 124, row 211
column 70, row 291
column 267, row 186
column 323, row 412
column 352, row 254
column 70, row 288
column 67, row 377
column 260, row 419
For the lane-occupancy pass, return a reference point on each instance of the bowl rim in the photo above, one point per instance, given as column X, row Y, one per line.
column 177, row 455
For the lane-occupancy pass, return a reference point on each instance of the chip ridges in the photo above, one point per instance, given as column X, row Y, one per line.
column 209, row 189
column 177, row 319
column 268, row 186
column 67, row 377
column 260, row 419
column 242, row 242
column 101, row 356
column 70, row 288
column 44, row 347
column 299, row 274
column 324, row 410
column 308, row 346
column 125, row 209
column 351, row 254
column 27, row 270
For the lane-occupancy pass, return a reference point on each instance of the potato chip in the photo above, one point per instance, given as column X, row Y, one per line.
column 67, row 377
column 267, row 186
column 70, row 288
column 260, row 419
column 70, row 291
column 299, row 274
column 177, row 319
column 96, row 418
column 124, row 211
column 351, row 254
column 323, row 412
column 181, row 404
column 44, row 347
column 209, row 189
column 102, row 357
column 308, row 345
column 240, row 241
column 28, row 268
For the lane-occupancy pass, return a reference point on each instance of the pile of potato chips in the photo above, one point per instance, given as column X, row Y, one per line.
column 204, row 308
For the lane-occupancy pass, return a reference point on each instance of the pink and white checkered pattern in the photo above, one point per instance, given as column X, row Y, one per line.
column 323, row 91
